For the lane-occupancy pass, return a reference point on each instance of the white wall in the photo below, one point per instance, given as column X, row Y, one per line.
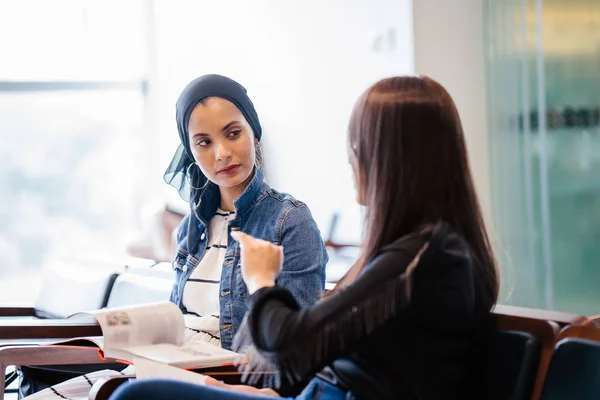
column 304, row 64
column 448, row 43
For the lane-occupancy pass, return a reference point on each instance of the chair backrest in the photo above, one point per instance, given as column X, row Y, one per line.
column 574, row 371
column 513, row 365
column 142, row 285
column 70, row 286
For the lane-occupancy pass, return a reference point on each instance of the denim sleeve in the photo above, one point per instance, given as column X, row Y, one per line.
column 182, row 231
column 305, row 256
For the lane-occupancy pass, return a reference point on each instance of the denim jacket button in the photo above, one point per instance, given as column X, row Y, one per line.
column 185, row 268
column 203, row 236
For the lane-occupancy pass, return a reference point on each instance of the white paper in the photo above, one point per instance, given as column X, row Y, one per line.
column 196, row 354
column 146, row 369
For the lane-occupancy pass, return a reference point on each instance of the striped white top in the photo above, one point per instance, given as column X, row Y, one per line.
column 201, row 291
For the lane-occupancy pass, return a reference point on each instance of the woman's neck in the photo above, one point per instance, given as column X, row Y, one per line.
column 230, row 194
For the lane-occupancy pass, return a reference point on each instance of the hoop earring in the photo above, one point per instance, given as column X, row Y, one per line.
column 258, row 158
column 189, row 181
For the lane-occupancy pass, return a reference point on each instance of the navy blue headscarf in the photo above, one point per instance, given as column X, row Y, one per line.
column 201, row 88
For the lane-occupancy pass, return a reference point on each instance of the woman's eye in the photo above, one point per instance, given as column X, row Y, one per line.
column 234, row 133
column 204, row 142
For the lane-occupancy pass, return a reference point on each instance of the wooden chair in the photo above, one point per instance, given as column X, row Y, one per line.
column 540, row 324
column 70, row 287
column 574, row 371
column 524, row 330
column 66, row 286
column 134, row 286
column 543, row 325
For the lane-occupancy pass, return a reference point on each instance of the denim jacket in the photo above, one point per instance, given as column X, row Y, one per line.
column 266, row 214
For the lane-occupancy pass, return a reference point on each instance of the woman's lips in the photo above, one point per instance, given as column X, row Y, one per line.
column 231, row 170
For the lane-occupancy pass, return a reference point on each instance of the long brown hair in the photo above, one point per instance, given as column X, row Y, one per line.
column 406, row 135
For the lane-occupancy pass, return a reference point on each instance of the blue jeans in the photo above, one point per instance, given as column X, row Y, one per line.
column 165, row 389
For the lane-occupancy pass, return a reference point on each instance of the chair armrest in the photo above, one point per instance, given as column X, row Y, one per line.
column 47, row 328
column 47, row 355
column 17, row 312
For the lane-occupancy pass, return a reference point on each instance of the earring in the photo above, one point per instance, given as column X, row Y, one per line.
column 258, row 158
column 187, row 176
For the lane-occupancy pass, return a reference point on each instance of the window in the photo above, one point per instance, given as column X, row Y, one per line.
column 543, row 84
column 72, row 112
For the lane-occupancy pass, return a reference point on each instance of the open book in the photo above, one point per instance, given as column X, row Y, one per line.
column 152, row 331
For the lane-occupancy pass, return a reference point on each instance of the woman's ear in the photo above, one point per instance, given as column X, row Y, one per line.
column 255, row 142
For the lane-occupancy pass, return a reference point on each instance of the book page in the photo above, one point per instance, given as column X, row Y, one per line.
column 141, row 325
column 147, row 369
column 192, row 354
column 97, row 341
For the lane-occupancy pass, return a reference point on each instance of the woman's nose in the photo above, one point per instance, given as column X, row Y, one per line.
column 222, row 151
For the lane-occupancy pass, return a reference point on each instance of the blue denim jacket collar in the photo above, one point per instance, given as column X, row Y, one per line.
column 251, row 195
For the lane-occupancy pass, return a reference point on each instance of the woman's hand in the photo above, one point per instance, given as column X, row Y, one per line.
column 261, row 261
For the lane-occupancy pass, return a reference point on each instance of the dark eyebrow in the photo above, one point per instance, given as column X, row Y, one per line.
column 229, row 125
column 195, row 135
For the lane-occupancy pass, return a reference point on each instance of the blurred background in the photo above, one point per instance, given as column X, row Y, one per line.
column 87, row 121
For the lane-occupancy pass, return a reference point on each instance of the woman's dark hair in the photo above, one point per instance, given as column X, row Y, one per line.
column 406, row 135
